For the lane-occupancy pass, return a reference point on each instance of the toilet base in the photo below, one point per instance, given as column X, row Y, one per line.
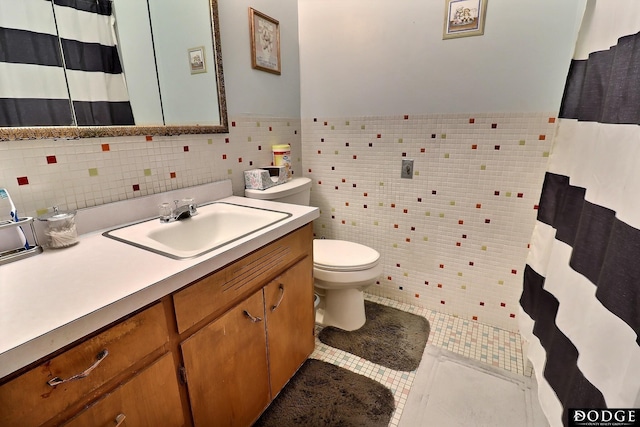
column 342, row 308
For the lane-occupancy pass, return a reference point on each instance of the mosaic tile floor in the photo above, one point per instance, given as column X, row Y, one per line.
column 485, row 343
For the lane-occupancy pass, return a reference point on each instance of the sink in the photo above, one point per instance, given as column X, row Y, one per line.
column 215, row 225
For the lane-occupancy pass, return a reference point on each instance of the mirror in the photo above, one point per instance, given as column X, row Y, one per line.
column 171, row 58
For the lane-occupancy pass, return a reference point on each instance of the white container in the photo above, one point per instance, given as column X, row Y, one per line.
column 282, row 157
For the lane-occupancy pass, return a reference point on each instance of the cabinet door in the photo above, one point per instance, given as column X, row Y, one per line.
column 290, row 322
column 151, row 398
column 226, row 367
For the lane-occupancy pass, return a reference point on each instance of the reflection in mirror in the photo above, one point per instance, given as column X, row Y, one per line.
column 63, row 68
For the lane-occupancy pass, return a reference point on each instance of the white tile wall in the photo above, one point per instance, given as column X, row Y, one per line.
column 454, row 238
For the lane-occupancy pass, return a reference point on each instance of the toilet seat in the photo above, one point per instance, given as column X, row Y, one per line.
column 343, row 256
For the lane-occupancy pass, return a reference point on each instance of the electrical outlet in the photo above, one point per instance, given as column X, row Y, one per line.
column 407, row 169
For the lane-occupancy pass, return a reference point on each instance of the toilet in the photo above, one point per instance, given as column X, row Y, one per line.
column 342, row 270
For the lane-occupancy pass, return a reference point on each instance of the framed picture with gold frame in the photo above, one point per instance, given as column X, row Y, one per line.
column 464, row 18
column 265, row 42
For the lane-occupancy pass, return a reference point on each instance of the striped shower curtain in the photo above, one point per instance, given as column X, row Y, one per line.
column 580, row 306
column 59, row 65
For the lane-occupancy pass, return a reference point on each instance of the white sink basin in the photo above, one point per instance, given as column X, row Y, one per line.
column 215, row 225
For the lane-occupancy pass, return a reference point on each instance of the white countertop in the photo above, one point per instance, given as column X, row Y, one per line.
column 55, row 298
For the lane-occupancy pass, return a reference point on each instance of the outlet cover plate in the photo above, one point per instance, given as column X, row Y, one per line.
column 407, row 169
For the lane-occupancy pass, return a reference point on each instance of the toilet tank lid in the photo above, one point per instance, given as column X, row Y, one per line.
column 293, row 186
column 342, row 255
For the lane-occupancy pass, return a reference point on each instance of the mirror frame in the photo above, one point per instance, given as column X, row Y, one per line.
column 76, row 132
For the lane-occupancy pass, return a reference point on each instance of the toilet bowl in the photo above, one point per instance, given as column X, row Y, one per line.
column 342, row 270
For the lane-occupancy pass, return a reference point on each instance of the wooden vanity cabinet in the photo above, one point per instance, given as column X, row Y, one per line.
column 214, row 353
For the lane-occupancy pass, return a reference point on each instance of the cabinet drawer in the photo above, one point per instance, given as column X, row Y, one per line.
column 217, row 292
column 160, row 405
column 29, row 400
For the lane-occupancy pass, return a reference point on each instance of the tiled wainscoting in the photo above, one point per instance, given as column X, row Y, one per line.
column 454, row 237
column 80, row 173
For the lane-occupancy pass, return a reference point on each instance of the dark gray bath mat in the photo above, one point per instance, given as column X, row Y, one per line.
column 390, row 337
column 323, row 394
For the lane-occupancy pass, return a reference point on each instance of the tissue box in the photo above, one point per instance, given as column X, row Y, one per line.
column 263, row 178
column 258, row 179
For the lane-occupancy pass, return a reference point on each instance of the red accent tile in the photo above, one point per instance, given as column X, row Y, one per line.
column 512, row 316
column 371, row 144
column 471, row 263
column 458, row 244
column 442, row 302
column 426, row 282
column 259, row 147
column 417, row 295
column 23, row 180
column 51, row 159
column 355, row 157
column 136, row 187
column 503, row 304
column 433, row 192
column 379, row 136
column 326, row 123
column 406, row 117
column 441, row 265
column 514, row 271
column 321, row 139
column 413, row 229
column 172, row 175
column 404, row 154
column 185, row 148
column 344, row 180
column 494, row 125
column 395, row 225
column 309, row 170
column 389, row 278
column 365, row 206
column 270, row 128
column 433, row 135
column 460, row 222
column 239, row 159
column 536, row 207
column 393, row 205
column 478, row 205
column 474, row 146
column 149, row 138
column 440, row 285
column 475, row 318
column 482, row 303
column 233, row 124
column 408, row 240
column 224, row 157
column 552, row 119
column 365, row 194
column 464, row 236
column 319, row 182
column 472, row 121
column 106, row 147
column 419, row 199
column 405, row 211
column 496, row 147
column 520, row 195
column 487, row 221
column 343, row 221
column 423, row 150
column 496, row 193
column 336, row 187
column 353, row 185
column 346, row 203
column 226, row 140
column 319, row 152
column 346, row 144
column 542, row 137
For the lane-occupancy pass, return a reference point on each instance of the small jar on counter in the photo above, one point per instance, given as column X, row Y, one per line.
column 60, row 228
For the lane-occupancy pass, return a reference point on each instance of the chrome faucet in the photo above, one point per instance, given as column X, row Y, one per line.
column 186, row 209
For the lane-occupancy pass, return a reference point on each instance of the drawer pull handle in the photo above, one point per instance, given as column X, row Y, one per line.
column 99, row 358
column 273, row 308
column 252, row 318
column 120, row 419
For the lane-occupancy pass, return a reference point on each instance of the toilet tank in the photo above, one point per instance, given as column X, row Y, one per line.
column 296, row 191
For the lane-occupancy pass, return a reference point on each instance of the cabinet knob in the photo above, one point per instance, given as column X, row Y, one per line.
column 99, row 358
column 120, row 419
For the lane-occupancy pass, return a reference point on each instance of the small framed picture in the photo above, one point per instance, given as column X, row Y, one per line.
column 197, row 60
column 265, row 42
column 464, row 18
